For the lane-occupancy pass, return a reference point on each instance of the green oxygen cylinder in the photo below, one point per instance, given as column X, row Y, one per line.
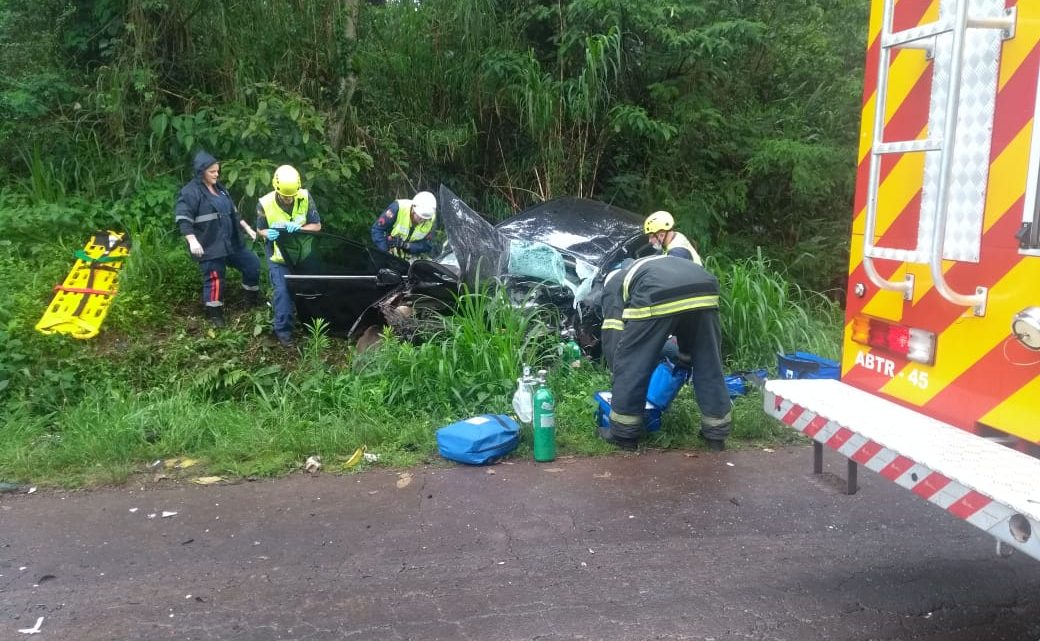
column 543, row 423
column 570, row 351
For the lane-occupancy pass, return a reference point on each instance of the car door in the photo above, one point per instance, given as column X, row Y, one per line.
column 336, row 278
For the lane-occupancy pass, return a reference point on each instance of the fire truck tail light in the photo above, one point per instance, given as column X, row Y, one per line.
column 909, row 342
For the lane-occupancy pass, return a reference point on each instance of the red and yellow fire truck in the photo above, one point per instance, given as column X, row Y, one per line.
column 940, row 373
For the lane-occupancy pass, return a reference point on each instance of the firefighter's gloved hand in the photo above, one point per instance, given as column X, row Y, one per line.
column 273, row 234
column 406, row 248
column 195, row 248
column 291, row 227
column 393, row 243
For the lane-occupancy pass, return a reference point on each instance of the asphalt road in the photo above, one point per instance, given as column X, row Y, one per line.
column 740, row 545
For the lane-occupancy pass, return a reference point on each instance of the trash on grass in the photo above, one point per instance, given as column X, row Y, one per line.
column 313, row 464
column 31, row 490
column 355, row 458
column 371, row 458
column 35, row 629
column 181, row 463
column 207, row 480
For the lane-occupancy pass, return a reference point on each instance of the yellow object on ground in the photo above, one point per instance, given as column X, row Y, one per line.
column 355, row 458
column 81, row 302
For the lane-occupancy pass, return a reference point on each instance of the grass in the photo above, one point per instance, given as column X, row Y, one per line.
column 83, row 413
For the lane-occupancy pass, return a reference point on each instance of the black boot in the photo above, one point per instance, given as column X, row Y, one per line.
column 253, row 298
column 627, row 444
column 215, row 314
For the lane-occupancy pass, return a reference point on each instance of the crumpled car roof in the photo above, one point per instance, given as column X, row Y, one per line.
column 587, row 230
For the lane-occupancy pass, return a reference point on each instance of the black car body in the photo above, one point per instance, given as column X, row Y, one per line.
column 550, row 254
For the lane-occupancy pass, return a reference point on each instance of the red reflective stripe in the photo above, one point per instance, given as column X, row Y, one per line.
column 865, row 453
column 214, row 290
column 930, row 485
column 839, row 438
column 969, row 504
column 895, row 469
column 983, row 386
column 899, row 233
column 793, row 414
column 815, row 426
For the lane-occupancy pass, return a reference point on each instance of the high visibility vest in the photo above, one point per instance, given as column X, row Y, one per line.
column 680, row 241
column 276, row 216
column 403, row 228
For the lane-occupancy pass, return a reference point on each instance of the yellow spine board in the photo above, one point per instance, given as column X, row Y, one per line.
column 81, row 302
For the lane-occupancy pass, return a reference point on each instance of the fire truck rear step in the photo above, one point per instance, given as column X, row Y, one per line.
column 993, row 487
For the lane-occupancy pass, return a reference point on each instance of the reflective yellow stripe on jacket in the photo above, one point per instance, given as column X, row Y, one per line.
column 632, row 272
column 613, row 323
column 673, row 307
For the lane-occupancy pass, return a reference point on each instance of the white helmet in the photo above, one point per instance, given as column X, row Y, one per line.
column 424, row 205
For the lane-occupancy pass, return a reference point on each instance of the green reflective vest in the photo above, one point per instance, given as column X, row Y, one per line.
column 276, row 217
column 403, row 228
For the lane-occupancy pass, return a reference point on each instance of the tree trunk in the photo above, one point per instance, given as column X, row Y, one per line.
column 347, row 78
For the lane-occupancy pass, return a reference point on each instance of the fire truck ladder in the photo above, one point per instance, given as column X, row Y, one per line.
column 944, row 38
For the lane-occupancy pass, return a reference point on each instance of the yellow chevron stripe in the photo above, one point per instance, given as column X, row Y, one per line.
column 1017, row 414
column 1007, row 183
column 969, row 338
column 908, row 65
column 1007, row 177
column 874, row 24
column 1015, row 51
column 898, row 189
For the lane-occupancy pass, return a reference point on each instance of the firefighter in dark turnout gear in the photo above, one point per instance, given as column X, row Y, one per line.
column 662, row 296
column 611, row 306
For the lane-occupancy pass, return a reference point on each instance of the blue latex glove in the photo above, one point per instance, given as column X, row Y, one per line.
column 292, row 227
column 273, row 234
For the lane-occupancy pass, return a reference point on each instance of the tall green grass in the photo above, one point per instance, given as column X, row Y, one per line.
column 763, row 313
column 246, row 407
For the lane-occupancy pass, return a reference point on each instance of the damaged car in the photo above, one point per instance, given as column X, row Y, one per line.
column 554, row 254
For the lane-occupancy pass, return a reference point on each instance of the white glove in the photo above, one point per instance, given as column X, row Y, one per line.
column 194, row 247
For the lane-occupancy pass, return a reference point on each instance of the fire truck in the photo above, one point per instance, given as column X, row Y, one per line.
column 940, row 370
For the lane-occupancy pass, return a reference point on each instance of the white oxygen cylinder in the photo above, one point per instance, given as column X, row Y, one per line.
column 523, row 397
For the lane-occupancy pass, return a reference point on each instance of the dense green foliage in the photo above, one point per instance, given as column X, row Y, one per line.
column 738, row 116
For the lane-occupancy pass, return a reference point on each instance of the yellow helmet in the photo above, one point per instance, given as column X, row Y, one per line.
column 658, row 221
column 286, row 181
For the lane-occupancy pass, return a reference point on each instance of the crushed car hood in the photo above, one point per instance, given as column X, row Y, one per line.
column 586, row 230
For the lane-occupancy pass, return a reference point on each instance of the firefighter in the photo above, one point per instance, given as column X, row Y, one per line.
column 665, row 295
column 286, row 210
column 405, row 228
column 611, row 307
column 659, row 228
